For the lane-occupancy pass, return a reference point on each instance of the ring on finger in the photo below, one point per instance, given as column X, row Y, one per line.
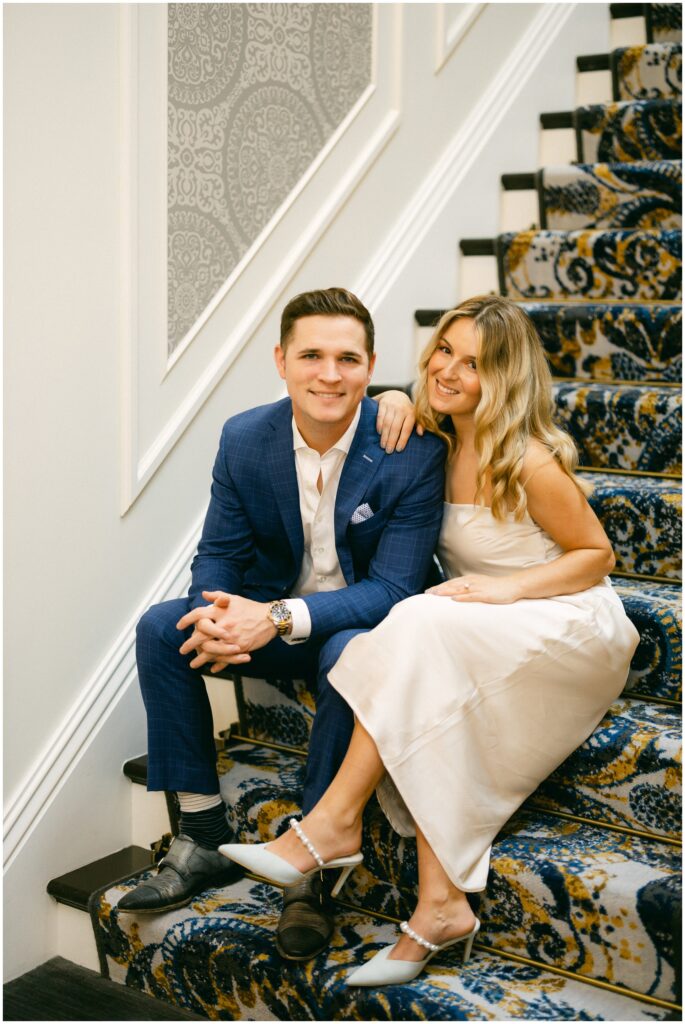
column 467, row 586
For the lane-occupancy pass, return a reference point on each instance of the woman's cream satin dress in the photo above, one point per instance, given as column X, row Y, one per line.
column 472, row 705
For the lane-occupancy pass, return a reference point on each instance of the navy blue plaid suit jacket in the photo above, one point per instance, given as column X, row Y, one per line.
column 252, row 541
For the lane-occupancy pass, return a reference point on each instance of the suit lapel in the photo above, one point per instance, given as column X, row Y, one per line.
column 279, row 461
column 361, row 465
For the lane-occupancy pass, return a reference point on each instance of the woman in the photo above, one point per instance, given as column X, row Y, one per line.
column 468, row 696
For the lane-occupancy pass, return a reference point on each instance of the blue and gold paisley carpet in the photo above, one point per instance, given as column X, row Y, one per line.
column 581, row 915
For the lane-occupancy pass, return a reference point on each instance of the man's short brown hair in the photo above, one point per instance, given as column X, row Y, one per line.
column 326, row 302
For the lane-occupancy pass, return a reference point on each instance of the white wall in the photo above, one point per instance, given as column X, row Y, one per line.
column 77, row 571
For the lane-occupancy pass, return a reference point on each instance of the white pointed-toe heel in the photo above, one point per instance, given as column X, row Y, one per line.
column 258, row 858
column 382, row 971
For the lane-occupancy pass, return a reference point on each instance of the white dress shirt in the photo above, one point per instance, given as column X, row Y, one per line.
column 320, row 568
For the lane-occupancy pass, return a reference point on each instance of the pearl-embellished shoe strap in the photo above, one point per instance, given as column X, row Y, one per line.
column 297, row 828
column 404, row 926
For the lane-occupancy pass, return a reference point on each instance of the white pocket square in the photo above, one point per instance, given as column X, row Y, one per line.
column 361, row 513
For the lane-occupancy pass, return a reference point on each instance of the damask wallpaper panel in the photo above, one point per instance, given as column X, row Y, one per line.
column 254, row 93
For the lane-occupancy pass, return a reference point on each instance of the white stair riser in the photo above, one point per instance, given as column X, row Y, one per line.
column 593, row 87
column 627, row 32
column 149, row 816
column 477, row 276
column 518, row 210
column 75, row 939
column 557, row 146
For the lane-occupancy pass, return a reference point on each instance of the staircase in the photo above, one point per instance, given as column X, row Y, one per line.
column 581, row 917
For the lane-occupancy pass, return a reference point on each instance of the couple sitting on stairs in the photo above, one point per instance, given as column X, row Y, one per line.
column 453, row 704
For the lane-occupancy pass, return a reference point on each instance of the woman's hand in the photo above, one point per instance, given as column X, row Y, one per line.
column 488, row 589
column 395, row 420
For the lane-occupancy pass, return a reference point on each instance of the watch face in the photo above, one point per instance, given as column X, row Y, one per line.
column 279, row 613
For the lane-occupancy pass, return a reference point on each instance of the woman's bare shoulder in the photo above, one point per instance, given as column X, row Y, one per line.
column 535, row 457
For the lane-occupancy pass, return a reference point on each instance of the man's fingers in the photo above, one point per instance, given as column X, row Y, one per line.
column 217, row 597
column 200, row 660
column 219, row 647
column 239, row 659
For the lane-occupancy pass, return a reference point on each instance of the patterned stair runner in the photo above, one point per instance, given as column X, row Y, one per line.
column 643, row 194
column 611, row 341
column 634, row 428
column 584, row 882
column 629, row 130
column 664, row 23
column 217, row 958
column 651, row 72
column 591, row 266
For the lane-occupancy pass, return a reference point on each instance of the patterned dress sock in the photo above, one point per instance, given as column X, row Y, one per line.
column 209, row 828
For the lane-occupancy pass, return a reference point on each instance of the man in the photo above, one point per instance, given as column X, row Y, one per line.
column 312, row 534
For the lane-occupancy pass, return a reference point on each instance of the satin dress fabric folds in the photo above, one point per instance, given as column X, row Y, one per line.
column 472, row 705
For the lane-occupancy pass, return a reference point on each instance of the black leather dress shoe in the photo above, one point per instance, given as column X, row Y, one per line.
column 306, row 924
column 187, row 869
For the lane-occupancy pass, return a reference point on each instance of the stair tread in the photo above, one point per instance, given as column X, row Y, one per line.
column 626, row 773
column 643, row 194
column 74, row 888
column 637, row 265
column 621, row 426
column 650, row 71
column 233, row 929
column 601, row 340
column 628, row 130
column 543, row 869
column 62, row 990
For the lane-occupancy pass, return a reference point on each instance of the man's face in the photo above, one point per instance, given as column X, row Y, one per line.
column 326, row 369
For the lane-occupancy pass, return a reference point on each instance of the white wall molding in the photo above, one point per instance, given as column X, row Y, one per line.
column 440, row 185
column 150, row 460
column 87, row 716
column 145, row 309
column 451, row 30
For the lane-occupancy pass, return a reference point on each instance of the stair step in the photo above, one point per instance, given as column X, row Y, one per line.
column 641, row 516
column 218, row 956
column 664, row 23
column 627, row 773
column 609, row 341
column 603, row 341
column 593, row 62
column 557, row 119
column 649, row 72
column 75, row 887
column 635, row 266
column 645, row 194
column 625, row 131
column 622, row 427
column 560, row 892
column 626, row 10
column 61, row 990
column 655, row 609
column 477, row 246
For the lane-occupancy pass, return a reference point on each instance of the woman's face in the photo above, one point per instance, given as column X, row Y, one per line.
column 453, row 383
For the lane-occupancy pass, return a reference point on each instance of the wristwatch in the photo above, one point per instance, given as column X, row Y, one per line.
column 281, row 616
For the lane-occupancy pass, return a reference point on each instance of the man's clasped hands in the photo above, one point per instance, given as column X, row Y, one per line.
column 226, row 630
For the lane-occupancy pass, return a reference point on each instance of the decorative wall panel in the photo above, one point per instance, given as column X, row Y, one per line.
column 254, row 93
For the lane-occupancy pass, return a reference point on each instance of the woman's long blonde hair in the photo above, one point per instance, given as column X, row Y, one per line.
column 515, row 405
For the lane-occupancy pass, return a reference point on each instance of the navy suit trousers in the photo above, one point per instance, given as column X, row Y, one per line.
column 181, row 751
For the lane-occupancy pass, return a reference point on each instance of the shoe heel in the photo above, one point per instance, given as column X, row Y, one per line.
column 342, row 878
column 468, row 947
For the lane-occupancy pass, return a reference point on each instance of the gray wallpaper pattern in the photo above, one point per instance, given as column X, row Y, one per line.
column 255, row 90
